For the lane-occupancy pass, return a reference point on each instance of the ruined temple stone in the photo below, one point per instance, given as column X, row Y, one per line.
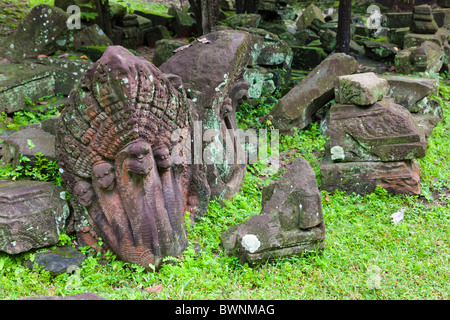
column 422, row 20
column 414, row 93
column 269, row 50
column 126, row 36
column 298, row 106
column 397, row 36
column 164, row 50
column 260, row 79
column 245, row 20
column 91, row 36
column 155, row 33
column 290, row 223
column 398, row 19
column 144, row 26
column 184, row 23
column 65, row 259
column 33, row 215
column 397, row 177
column 439, row 17
column 43, row 31
column 18, row 82
column 158, row 19
column 412, row 40
column 426, row 60
column 310, row 13
column 114, row 150
column 307, row 58
column 328, row 40
column 382, row 51
column 67, row 72
column 362, row 89
column 443, row 3
column 306, row 36
column 427, row 122
column 211, row 73
column 28, row 142
column 384, row 131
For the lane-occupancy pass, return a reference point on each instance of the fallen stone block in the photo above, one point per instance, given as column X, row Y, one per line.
column 383, row 132
column 298, row 106
column 57, row 261
column 32, row 215
column 28, row 142
column 290, row 223
column 427, row 122
column 414, row 93
column 307, row 58
column 397, row 177
column 43, row 31
column 20, row 82
column 381, row 51
column 67, row 72
column 362, row 89
column 308, row 15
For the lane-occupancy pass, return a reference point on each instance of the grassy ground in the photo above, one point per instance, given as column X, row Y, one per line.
column 367, row 256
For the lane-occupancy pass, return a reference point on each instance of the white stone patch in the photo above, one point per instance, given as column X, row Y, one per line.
column 250, row 242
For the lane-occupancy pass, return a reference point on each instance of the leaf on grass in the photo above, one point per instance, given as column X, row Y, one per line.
column 64, row 55
column 398, row 216
column 156, row 289
column 42, row 56
column 327, row 197
column 42, row 102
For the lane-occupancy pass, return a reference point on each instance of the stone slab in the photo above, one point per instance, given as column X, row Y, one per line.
column 18, row 82
column 383, row 132
column 298, row 106
column 19, row 144
column 398, row 177
column 410, row 92
column 362, row 89
column 32, row 215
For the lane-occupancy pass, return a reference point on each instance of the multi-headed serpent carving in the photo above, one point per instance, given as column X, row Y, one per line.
column 117, row 142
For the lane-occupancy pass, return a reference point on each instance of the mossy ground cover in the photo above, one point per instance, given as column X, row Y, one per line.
column 366, row 255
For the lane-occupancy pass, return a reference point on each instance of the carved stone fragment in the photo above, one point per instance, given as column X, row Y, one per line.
column 290, row 223
column 114, row 144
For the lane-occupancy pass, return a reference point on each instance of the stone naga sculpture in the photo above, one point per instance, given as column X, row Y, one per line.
column 114, row 145
column 118, row 147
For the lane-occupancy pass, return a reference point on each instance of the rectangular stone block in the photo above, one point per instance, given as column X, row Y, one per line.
column 398, row 19
column 32, row 215
column 414, row 93
column 18, row 82
column 28, row 142
column 383, row 132
column 362, row 89
column 400, row 177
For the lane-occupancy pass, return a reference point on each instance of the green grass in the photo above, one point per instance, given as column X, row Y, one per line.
column 366, row 256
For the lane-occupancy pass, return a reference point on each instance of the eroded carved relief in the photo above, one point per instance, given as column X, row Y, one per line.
column 114, row 147
column 118, row 147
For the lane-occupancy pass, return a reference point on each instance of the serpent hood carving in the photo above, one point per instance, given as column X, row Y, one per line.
column 114, row 147
column 118, row 147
